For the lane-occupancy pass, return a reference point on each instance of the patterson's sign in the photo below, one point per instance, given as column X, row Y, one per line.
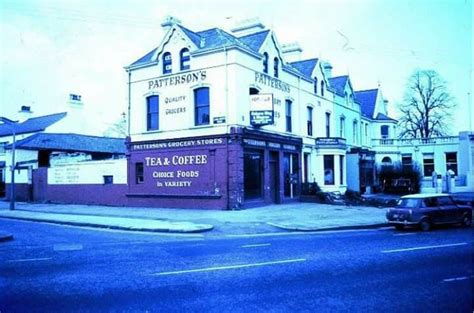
column 261, row 109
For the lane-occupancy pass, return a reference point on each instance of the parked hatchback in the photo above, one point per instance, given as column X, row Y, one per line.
column 426, row 210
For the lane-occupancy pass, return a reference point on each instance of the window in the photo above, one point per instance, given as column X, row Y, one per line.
column 167, row 63
column 342, row 129
column 152, row 107
column 452, row 162
column 139, row 173
column 265, row 63
column 328, row 124
column 253, row 91
column 386, row 161
column 108, row 179
column 315, row 85
column 341, row 170
column 184, row 59
column 329, row 169
column 355, row 128
column 253, row 174
column 309, row 122
column 406, row 161
column 384, row 131
column 288, row 115
column 201, row 106
column 367, row 133
column 275, row 67
column 322, row 88
column 445, row 201
column 2, row 147
column 428, row 164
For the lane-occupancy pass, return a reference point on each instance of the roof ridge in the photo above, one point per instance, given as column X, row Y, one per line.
column 82, row 135
column 307, row 60
column 43, row 116
column 365, row 90
column 253, row 34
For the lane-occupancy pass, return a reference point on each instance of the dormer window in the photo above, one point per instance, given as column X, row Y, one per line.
column 167, row 63
column 265, row 63
column 276, row 65
column 184, row 59
column 315, row 85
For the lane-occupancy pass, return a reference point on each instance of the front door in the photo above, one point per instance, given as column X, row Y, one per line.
column 273, row 177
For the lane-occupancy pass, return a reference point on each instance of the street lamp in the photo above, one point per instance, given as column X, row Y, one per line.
column 12, row 185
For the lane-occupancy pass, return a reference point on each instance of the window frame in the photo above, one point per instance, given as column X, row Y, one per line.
column 150, row 114
column 184, row 58
column 428, row 165
column 166, row 63
column 276, row 67
column 309, row 120
column 328, row 124
column 265, row 62
column 198, row 107
column 288, row 115
column 452, row 164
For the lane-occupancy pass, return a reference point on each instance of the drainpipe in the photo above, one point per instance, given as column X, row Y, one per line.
column 129, row 100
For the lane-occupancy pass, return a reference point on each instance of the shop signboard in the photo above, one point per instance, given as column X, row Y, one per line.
column 261, row 109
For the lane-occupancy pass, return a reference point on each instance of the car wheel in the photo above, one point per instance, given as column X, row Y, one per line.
column 399, row 227
column 425, row 224
column 466, row 221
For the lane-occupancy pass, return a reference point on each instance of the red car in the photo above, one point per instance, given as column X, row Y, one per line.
column 427, row 210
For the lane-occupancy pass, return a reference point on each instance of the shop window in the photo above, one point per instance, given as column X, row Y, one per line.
column 328, row 124
column 342, row 129
column 185, row 57
column 108, row 179
column 309, row 122
column 276, row 65
column 253, row 172
column 322, row 88
column 329, row 169
column 341, row 170
column 384, row 131
column 265, row 63
column 428, row 164
column 288, row 115
column 452, row 162
column 315, row 85
column 167, row 63
column 201, row 106
column 139, row 178
column 406, row 161
column 152, row 108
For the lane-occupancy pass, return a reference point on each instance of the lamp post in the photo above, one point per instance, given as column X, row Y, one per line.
column 12, row 185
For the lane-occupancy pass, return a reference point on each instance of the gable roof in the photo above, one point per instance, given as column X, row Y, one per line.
column 255, row 41
column 31, row 125
column 305, row 67
column 337, row 84
column 367, row 100
column 73, row 143
column 383, row 117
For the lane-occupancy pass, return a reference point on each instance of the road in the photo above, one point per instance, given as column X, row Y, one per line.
column 52, row 268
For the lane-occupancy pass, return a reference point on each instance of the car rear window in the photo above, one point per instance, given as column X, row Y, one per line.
column 407, row 203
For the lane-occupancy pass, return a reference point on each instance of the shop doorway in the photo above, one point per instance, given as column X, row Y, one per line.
column 274, row 174
column 253, row 172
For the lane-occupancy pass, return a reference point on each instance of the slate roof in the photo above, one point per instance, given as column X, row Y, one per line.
column 73, row 143
column 305, row 67
column 31, row 125
column 367, row 99
column 383, row 117
column 214, row 38
column 338, row 84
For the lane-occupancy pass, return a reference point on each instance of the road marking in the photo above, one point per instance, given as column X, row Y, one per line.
column 407, row 234
column 28, row 260
column 256, row 245
column 229, row 267
column 299, row 233
column 457, row 278
column 425, row 247
column 67, row 247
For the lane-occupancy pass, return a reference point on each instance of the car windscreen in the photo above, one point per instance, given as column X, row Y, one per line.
column 407, row 203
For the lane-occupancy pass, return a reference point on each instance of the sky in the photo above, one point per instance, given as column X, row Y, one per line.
column 49, row 49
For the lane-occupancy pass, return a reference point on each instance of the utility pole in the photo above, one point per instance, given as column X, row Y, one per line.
column 12, row 167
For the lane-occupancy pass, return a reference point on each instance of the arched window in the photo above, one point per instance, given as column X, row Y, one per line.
column 201, row 106
column 315, row 85
column 276, row 64
column 152, row 112
column 184, row 59
column 322, row 88
column 386, row 161
column 167, row 63
column 265, row 63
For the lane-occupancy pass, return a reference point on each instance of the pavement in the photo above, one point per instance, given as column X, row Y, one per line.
column 295, row 216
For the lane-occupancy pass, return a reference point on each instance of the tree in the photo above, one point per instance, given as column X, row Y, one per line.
column 427, row 106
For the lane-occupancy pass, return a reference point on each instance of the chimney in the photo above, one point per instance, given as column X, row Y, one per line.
column 292, row 51
column 327, row 69
column 24, row 113
column 247, row 27
column 169, row 22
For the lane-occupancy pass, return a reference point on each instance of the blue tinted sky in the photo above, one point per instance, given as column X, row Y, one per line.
column 49, row 49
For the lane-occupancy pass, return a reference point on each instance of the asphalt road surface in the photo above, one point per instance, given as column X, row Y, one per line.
column 52, row 268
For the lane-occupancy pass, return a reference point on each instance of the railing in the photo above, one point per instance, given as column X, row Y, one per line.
column 414, row 141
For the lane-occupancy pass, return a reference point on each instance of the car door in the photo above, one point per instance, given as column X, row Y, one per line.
column 432, row 210
column 450, row 213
